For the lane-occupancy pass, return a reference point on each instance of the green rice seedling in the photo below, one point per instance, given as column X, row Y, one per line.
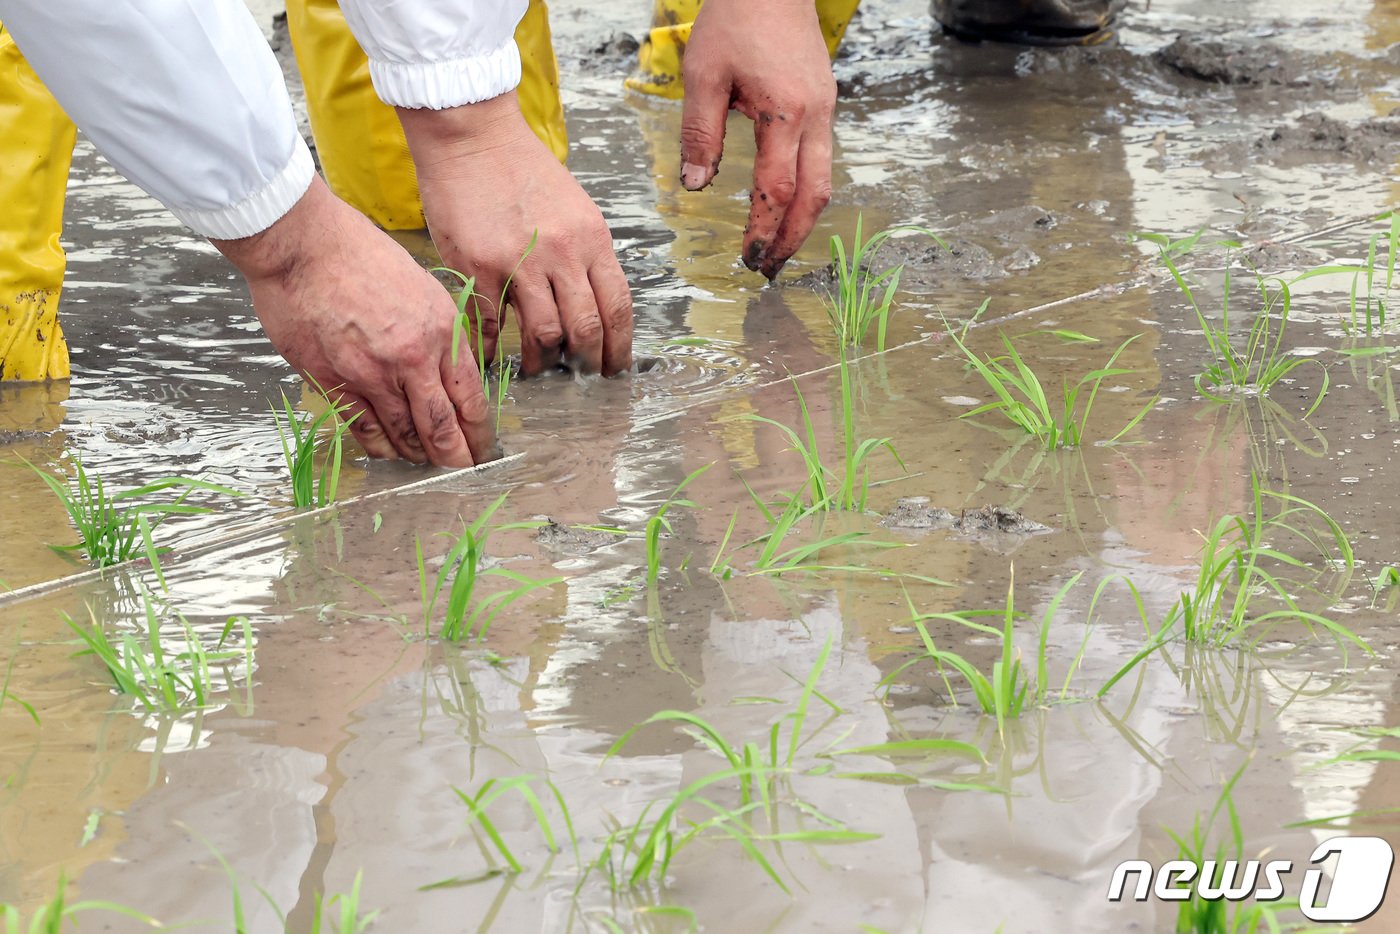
column 462, row 569
column 492, row 789
column 1011, row 686
column 57, row 915
column 1200, row 915
column 1240, row 565
column 1022, row 399
column 341, row 914
column 1369, row 309
column 143, row 667
column 6, row 695
column 114, row 527
column 1261, row 362
column 299, row 436
column 496, row 374
column 863, row 299
column 1237, row 566
column 659, row 523
column 827, row 488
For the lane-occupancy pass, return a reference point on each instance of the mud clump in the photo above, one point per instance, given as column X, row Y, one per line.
column 570, row 539
column 960, row 259
column 915, row 513
column 618, row 52
column 1253, row 64
column 1368, row 140
column 1281, row 257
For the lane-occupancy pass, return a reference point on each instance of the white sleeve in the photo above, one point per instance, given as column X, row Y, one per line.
column 183, row 97
column 438, row 53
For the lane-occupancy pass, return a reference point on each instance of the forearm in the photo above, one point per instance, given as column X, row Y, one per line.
column 184, row 97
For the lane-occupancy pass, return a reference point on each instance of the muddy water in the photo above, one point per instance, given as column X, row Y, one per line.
column 1034, row 166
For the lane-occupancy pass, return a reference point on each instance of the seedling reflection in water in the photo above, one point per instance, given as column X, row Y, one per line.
column 462, row 569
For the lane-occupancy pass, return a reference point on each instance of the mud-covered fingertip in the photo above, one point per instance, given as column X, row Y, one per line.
column 771, row 268
column 753, row 255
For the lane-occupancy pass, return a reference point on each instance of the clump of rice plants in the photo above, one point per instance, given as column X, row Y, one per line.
column 1010, row 687
column 462, row 570
column 1259, row 362
column 1198, row 914
column 863, row 299
column 1242, row 564
column 299, row 436
column 340, row 913
column 117, row 526
column 829, row 488
column 1021, row 396
column 744, row 800
column 157, row 676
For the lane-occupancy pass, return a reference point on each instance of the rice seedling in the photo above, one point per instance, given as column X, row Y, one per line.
column 299, row 436
column 1370, row 317
column 862, row 298
column 775, row 555
column 496, row 374
column 58, row 914
column 6, row 695
column 462, row 569
column 827, row 488
column 638, row 854
column 113, row 527
column 1022, row 399
column 1240, row 565
column 142, row 666
column 1198, row 914
column 659, row 522
column 340, row 914
column 1010, row 687
column 1261, row 362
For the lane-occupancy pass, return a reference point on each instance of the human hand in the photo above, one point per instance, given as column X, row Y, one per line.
column 733, row 61
column 350, row 310
column 489, row 187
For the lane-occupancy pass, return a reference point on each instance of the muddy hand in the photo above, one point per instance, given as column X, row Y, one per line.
column 489, row 186
column 352, row 311
column 769, row 62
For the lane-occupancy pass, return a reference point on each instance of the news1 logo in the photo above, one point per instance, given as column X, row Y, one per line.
column 1358, row 882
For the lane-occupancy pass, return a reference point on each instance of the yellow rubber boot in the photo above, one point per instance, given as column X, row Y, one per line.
column 36, row 149
column 362, row 149
column 659, row 59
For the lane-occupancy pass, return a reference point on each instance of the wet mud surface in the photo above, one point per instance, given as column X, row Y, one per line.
column 333, row 748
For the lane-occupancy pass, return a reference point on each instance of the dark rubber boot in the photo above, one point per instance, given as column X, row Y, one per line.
column 1030, row 22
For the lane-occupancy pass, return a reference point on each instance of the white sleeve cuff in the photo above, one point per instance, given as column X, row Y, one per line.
column 438, row 85
column 262, row 208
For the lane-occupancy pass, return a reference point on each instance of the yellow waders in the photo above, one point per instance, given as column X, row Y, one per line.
column 659, row 59
column 359, row 141
column 345, row 112
column 36, row 147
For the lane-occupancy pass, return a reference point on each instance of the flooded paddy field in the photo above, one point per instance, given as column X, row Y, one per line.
column 821, row 759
